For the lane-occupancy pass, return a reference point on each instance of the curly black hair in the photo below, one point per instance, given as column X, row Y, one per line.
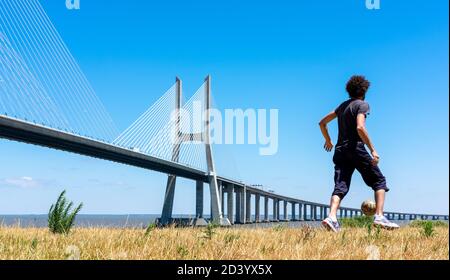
column 357, row 86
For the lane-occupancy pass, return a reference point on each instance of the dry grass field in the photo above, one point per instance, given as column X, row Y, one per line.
column 224, row 243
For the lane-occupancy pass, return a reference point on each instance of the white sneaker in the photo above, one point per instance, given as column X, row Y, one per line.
column 384, row 222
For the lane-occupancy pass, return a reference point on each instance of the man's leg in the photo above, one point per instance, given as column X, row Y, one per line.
column 374, row 178
column 334, row 206
column 343, row 171
column 379, row 200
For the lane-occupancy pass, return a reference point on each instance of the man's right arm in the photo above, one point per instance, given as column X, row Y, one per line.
column 362, row 132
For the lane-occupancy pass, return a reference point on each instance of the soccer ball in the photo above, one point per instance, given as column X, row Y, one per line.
column 368, row 207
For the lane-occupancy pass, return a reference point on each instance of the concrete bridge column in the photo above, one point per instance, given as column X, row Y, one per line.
column 199, row 199
column 346, row 213
column 300, row 211
column 222, row 198
column 294, row 214
column 305, row 212
column 341, row 213
column 168, row 200
column 238, row 205
column 275, row 210
column 285, row 211
column 248, row 208
column 278, row 210
column 313, row 212
column 199, row 219
column 266, row 209
column 243, row 205
column 257, row 208
column 230, row 203
column 322, row 212
column 351, row 213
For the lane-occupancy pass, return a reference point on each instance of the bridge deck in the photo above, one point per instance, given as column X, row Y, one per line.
column 31, row 133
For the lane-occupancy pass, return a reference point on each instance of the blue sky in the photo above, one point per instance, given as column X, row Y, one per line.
column 291, row 55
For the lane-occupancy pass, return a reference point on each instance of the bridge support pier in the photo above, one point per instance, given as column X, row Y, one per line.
column 216, row 213
column 257, row 208
column 266, row 209
column 305, row 212
column 278, row 210
column 230, row 203
column 275, row 210
column 243, row 205
column 168, row 200
column 314, row 210
column 222, row 198
column 300, row 211
column 238, row 219
column 248, row 207
column 285, row 211
column 199, row 219
column 293, row 215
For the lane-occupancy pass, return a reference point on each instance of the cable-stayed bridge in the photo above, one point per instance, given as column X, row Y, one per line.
column 46, row 100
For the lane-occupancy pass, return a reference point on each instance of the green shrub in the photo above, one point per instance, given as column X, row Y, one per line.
column 59, row 219
column 230, row 238
column 182, row 251
column 421, row 223
column 150, row 228
column 209, row 231
column 428, row 229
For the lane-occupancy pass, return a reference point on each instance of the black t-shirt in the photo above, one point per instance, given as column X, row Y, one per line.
column 346, row 113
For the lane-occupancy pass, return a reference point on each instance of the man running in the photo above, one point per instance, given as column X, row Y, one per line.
column 350, row 153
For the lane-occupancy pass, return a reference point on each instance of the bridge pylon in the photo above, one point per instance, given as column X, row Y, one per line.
column 204, row 136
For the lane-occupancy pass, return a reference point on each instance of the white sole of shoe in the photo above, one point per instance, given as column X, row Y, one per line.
column 385, row 226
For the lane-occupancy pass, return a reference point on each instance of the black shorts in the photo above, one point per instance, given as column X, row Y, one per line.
column 347, row 158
